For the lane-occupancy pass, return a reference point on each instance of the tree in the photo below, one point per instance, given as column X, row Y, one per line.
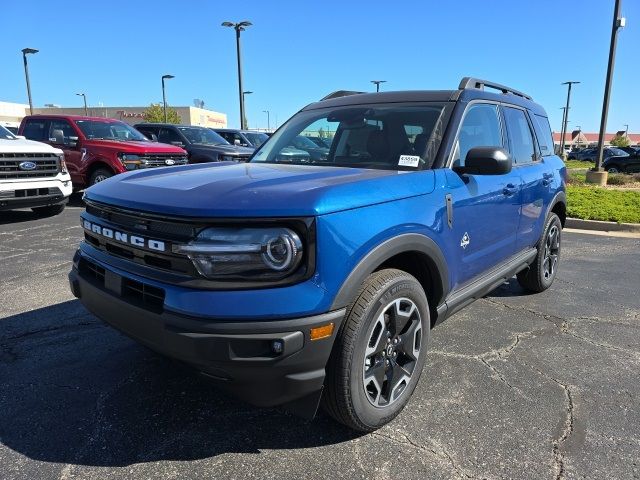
column 620, row 141
column 155, row 114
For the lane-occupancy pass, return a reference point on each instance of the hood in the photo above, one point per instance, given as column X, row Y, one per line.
column 228, row 149
column 257, row 190
column 134, row 147
column 20, row 145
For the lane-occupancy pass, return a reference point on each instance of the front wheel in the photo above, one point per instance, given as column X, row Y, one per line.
column 613, row 169
column 99, row 175
column 541, row 273
column 380, row 351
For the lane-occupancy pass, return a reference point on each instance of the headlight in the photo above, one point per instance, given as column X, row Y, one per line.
column 63, row 164
column 261, row 254
column 226, row 158
column 127, row 157
column 132, row 161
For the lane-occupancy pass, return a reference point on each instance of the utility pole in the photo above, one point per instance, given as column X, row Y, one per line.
column 597, row 175
column 268, row 122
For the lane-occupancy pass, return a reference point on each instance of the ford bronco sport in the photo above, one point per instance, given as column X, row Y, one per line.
column 318, row 283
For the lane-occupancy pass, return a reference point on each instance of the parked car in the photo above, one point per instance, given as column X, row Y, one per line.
column 622, row 164
column 607, row 153
column 244, row 138
column 32, row 175
column 319, row 281
column 97, row 148
column 316, row 153
column 320, row 142
column 202, row 144
column 630, row 150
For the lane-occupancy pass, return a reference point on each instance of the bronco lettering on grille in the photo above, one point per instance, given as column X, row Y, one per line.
column 124, row 237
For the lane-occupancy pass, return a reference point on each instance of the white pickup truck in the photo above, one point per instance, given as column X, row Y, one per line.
column 32, row 175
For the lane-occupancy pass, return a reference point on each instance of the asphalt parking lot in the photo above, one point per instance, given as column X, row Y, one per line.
column 516, row 386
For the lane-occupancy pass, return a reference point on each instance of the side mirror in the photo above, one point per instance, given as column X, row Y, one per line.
column 236, row 142
column 154, row 137
column 177, row 144
column 486, row 161
column 72, row 141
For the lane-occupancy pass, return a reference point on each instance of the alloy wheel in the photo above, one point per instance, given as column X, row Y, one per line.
column 551, row 252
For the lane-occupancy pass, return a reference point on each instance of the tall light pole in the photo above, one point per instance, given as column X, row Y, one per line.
column 86, row 112
column 377, row 83
column 164, row 97
column 268, row 121
column 562, row 132
column 566, row 115
column 25, row 52
column 618, row 23
column 626, row 130
column 239, row 27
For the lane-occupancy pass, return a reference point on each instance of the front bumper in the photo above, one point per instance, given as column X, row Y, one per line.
column 34, row 193
column 237, row 354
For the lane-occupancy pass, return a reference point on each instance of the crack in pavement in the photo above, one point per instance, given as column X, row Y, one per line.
column 52, row 329
column 569, row 424
column 442, row 454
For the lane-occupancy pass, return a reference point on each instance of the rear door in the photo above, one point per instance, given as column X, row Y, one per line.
column 485, row 208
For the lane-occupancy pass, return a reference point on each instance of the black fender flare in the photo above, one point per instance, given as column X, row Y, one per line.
column 408, row 242
column 560, row 197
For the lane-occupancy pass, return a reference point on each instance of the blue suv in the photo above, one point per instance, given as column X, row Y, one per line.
column 317, row 281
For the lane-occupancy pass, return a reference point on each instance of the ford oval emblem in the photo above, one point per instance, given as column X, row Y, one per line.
column 169, row 161
column 27, row 166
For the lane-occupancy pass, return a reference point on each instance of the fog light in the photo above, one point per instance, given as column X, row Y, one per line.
column 324, row 331
column 277, row 346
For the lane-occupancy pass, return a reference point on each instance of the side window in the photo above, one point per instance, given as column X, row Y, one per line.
column 522, row 149
column 228, row 136
column 35, row 130
column 167, row 136
column 148, row 132
column 480, row 128
column 60, row 131
column 543, row 132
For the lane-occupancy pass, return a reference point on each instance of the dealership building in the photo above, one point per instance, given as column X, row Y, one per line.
column 12, row 113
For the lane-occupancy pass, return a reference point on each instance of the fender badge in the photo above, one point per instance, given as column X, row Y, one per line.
column 465, row 240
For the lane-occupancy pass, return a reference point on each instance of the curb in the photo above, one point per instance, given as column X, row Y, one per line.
column 602, row 226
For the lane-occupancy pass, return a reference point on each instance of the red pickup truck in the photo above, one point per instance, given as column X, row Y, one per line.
column 97, row 148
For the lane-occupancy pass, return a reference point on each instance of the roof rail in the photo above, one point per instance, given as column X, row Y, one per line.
column 470, row 82
column 340, row 93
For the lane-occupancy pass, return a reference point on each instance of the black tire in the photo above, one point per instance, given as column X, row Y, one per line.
column 614, row 169
column 541, row 273
column 350, row 394
column 99, row 175
column 49, row 210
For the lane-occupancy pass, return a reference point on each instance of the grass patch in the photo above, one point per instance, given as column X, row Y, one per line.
column 578, row 164
column 593, row 203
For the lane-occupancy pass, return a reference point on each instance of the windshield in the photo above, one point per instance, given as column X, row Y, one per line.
column 256, row 139
column 6, row 134
column 203, row 136
column 109, row 130
column 379, row 136
column 616, row 152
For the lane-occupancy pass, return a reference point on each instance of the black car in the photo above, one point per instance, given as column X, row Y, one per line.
column 244, row 138
column 623, row 164
column 201, row 143
column 590, row 154
column 631, row 150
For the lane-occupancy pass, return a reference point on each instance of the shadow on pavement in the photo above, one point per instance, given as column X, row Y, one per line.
column 25, row 214
column 75, row 391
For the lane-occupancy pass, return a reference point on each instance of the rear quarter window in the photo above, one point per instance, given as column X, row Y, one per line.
column 543, row 132
column 35, row 130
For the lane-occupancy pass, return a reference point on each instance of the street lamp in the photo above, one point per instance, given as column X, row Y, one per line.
column 268, row 121
column 86, row 112
column 626, row 130
column 25, row 52
column 164, row 97
column 239, row 27
column 618, row 22
column 566, row 115
column 377, row 83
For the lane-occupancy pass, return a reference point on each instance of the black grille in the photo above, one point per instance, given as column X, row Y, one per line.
column 90, row 271
column 31, row 192
column 160, row 159
column 47, row 165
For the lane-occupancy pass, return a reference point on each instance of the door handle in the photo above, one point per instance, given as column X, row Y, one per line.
column 509, row 190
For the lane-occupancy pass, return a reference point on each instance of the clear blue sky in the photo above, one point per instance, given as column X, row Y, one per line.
column 298, row 51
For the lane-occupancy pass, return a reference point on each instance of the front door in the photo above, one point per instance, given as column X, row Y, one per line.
column 63, row 136
column 485, row 208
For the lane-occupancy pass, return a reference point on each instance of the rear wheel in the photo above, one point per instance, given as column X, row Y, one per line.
column 613, row 169
column 49, row 210
column 379, row 353
column 100, row 175
column 541, row 273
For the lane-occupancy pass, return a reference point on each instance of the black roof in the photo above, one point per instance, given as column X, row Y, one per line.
column 149, row 124
column 469, row 89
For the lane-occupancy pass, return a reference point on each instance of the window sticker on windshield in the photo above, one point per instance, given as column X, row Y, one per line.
column 409, row 161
